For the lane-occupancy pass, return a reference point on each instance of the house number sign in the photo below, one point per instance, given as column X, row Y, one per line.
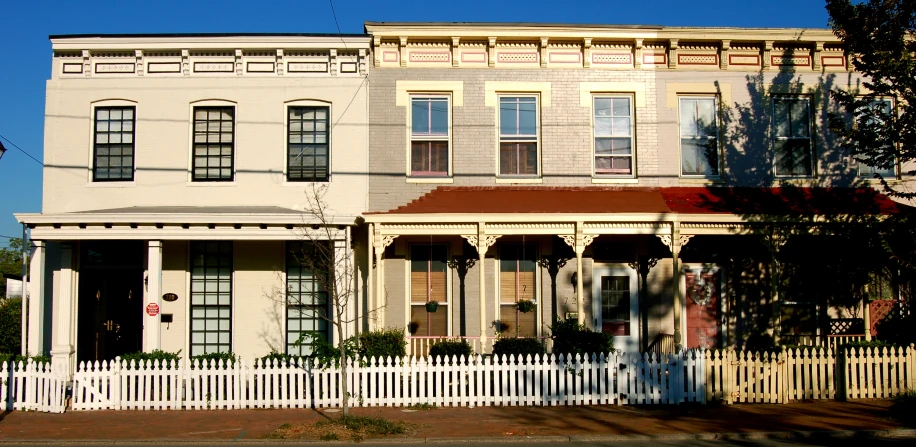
column 170, row 297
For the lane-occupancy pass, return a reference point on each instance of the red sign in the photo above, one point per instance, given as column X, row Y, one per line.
column 152, row 309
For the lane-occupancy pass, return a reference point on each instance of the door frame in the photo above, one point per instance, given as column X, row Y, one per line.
column 629, row 343
column 698, row 267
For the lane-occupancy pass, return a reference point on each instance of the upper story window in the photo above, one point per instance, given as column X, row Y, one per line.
column 613, row 126
column 889, row 170
column 699, row 130
column 308, row 148
column 214, row 144
column 113, row 152
column 518, row 136
column 792, row 135
column 429, row 136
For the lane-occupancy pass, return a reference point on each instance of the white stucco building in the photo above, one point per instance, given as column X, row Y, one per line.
column 180, row 166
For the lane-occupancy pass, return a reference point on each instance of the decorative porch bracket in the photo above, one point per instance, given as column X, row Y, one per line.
column 482, row 242
column 675, row 241
column 578, row 242
column 377, row 248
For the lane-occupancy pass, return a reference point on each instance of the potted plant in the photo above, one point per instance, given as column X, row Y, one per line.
column 412, row 327
column 432, row 305
column 524, row 306
column 501, row 326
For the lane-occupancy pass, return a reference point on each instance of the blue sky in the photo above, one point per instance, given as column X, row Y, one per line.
column 27, row 52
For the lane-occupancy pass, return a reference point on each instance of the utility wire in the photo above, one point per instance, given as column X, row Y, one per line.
column 22, row 150
column 339, row 34
column 10, row 237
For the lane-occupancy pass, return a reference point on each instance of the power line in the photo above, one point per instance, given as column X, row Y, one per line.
column 22, row 150
column 334, row 13
column 10, row 237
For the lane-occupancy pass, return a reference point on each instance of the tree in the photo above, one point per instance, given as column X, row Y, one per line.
column 878, row 35
column 328, row 256
column 10, row 262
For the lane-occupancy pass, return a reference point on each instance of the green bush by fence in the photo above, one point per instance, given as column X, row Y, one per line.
column 449, row 348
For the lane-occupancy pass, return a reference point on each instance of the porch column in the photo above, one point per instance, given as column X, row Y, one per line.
column 674, row 242
column 151, row 325
column 64, row 316
column 36, row 342
column 578, row 242
column 866, row 314
column 381, row 301
column 482, row 242
column 370, row 278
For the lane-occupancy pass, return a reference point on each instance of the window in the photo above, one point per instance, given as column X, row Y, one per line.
column 518, row 135
column 699, row 131
column 307, row 304
column 214, row 143
column 211, row 297
column 428, row 282
column 429, row 136
column 889, row 170
column 792, row 132
column 517, row 281
column 613, row 123
column 307, row 144
column 798, row 322
column 113, row 153
column 615, row 304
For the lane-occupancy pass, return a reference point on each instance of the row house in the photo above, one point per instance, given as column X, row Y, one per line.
column 632, row 178
column 635, row 179
column 180, row 175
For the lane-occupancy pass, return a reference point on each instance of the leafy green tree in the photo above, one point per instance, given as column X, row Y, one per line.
column 879, row 123
column 10, row 263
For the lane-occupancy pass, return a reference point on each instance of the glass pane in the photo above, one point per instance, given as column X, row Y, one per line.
column 621, row 106
column 527, row 118
column 419, row 115
column 439, row 117
column 621, row 126
column 781, row 117
column 602, row 107
column 800, row 119
column 508, row 116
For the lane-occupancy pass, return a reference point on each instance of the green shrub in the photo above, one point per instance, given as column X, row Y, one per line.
column 280, row 358
column 518, row 347
column 570, row 337
column 449, row 348
column 867, row 344
column 11, row 325
column 16, row 358
column 157, row 357
column 383, row 343
column 217, row 358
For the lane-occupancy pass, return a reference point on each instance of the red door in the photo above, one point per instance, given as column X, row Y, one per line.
column 702, row 308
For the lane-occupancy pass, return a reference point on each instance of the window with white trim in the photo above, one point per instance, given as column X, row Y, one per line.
column 211, row 297
column 308, row 146
column 884, row 106
column 113, row 150
column 428, row 282
column 613, row 127
column 699, row 130
column 792, row 136
column 429, row 135
column 518, row 136
column 307, row 304
column 214, row 144
column 517, row 282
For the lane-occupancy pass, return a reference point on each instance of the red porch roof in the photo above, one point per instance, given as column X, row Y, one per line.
column 687, row 200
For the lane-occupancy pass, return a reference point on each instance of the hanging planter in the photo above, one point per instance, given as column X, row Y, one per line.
column 524, row 306
column 432, row 306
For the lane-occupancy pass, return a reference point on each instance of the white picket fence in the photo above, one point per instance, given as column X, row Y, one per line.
column 474, row 381
column 809, row 374
column 31, row 386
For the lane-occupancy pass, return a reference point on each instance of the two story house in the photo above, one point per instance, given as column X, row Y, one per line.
column 635, row 178
column 180, row 179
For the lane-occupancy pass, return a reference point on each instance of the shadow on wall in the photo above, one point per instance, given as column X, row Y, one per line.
column 805, row 252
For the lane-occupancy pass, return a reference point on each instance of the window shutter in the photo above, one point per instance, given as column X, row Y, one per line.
column 438, row 287
column 418, row 287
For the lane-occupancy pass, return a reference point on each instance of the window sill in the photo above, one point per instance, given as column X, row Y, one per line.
column 211, row 183
column 430, row 180
column 700, row 180
column 125, row 184
column 606, row 180
column 504, row 180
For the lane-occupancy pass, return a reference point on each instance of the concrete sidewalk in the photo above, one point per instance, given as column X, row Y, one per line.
column 571, row 423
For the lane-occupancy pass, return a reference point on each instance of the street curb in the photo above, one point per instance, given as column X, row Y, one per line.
column 826, row 434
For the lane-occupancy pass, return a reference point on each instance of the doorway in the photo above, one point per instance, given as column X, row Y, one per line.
column 615, row 294
column 110, row 321
column 703, row 307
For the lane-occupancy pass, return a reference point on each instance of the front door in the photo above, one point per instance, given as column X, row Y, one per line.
column 616, row 305
column 702, row 306
column 110, row 321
